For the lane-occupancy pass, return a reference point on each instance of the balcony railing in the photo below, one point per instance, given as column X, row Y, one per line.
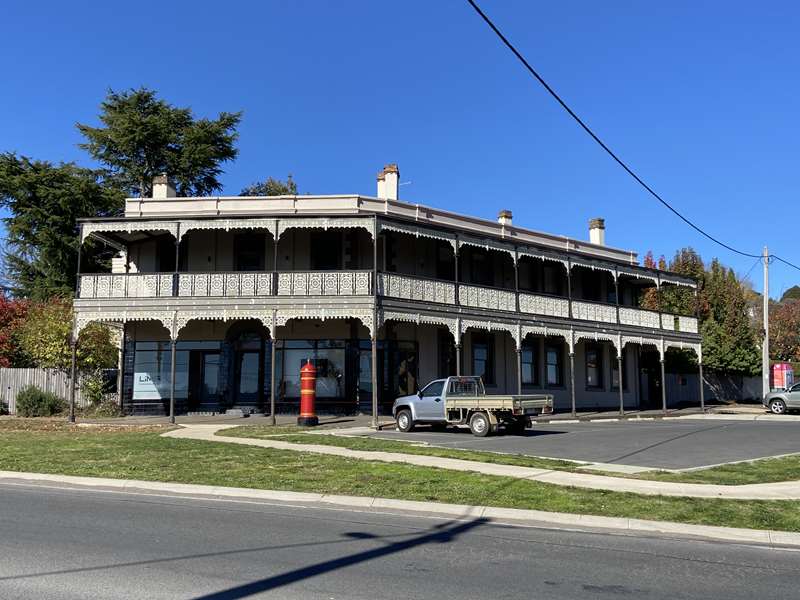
column 325, row 283
column 416, row 288
column 231, row 285
column 359, row 283
column 679, row 323
column 594, row 311
column 536, row 304
column 484, row 297
column 134, row 285
column 638, row 317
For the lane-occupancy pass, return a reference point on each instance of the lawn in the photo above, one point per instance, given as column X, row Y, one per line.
column 143, row 454
column 766, row 470
column 381, row 445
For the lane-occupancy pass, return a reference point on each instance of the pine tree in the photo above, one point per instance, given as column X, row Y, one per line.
column 45, row 202
column 143, row 136
column 271, row 187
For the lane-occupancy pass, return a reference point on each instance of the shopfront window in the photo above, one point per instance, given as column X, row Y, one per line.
column 594, row 366
column 483, row 357
column 152, row 368
column 530, row 363
column 327, row 356
column 554, row 370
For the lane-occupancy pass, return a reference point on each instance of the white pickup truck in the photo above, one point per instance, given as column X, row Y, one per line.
column 463, row 401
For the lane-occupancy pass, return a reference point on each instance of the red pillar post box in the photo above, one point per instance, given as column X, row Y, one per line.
column 308, row 395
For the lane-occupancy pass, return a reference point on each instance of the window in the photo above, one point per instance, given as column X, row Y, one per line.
column 165, row 252
column 554, row 370
column 483, row 357
column 553, row 279
column 326, row 250
column 433, row 389
column 248, row 251
column 530, row 363
column 447, row 354
column 594, row 366
column 615, row 375
column 445, row 262
column 592, row 285
column 480, row 268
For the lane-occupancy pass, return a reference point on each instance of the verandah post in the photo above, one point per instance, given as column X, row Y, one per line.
column 173, row 343
column 572, row 381
column 72, row 373
column 272, row 369
column 619, row 383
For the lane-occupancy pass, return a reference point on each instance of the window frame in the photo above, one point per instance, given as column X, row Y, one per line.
column 598, row 350
column 485, row 340
column 558, row 350
column 533, row 348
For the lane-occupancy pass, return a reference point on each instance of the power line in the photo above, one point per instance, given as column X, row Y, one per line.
column 784, row 261
column 600, row 142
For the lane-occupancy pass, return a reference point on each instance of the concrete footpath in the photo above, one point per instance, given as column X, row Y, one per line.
column 785, row 490
column 510, row 516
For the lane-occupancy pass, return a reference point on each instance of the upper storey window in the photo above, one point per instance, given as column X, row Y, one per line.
column 326, row 250
column 249, row 251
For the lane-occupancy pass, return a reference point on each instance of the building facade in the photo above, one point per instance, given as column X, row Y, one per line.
column 222, row 299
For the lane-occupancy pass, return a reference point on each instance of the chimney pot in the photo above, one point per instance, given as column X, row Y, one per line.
column 504, row 217
column 162, row 187
column 388, row 182
column 597, row 231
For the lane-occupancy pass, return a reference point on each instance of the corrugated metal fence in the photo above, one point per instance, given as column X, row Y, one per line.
column 13, row 380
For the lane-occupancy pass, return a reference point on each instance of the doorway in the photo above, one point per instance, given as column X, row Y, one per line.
column 204, row 367
column 248, row 360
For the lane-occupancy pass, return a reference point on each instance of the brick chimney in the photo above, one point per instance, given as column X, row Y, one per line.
column 388, row 180
column 597, row 231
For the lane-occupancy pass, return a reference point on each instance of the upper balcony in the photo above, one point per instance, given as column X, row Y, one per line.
column 321, row 257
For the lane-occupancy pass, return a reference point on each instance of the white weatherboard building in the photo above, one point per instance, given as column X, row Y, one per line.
column 383, row 295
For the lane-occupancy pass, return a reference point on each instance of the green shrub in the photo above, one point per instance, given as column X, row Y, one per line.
column 93, row 387
column 33, row 402
column 3, row 408
column 104, row 409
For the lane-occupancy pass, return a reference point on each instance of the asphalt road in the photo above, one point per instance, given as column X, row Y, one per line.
column 63, row 543
column 670, row 444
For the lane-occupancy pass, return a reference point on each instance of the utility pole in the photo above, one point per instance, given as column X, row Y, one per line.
column 765, row 347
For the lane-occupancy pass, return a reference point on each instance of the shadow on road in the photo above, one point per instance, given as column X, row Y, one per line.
column 440, row 534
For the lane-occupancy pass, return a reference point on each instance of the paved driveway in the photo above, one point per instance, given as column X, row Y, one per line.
column 678, row 444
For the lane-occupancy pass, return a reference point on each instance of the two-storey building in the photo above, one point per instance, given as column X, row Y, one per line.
column 222, row 299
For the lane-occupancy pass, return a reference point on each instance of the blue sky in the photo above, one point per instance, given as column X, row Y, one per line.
column 700, row 98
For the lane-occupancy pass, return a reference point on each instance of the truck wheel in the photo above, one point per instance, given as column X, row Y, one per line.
column 405, row 422
column 479, row 425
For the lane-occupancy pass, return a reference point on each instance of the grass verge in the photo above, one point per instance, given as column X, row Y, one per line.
column 145, row 455
column 383, row 445
column 765, row 470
